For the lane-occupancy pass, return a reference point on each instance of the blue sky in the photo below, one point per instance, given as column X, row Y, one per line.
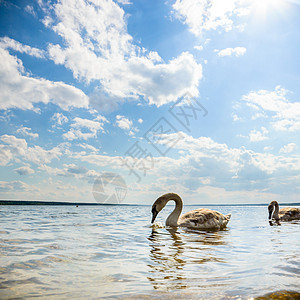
column 95, row 88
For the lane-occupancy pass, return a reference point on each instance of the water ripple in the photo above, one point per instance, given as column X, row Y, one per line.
column 114, row 252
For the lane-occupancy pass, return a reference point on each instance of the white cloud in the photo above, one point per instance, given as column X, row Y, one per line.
column 17, row 185
column 268, row 148
column 204, row 164
column 47, row 21
column 288, row 148
column 140, row 120
column 154, row 56
column 126, row 124
column 21, row 91
column 104, row 102
column 98, row 47
column 257, row 136
column 75, row 169
column 51, row 170
column 213, row 162
column 101, row 119
column 284, row 114
column 204, row 15
column 237, row 51
column 124, row 2
column 11, row 148
column 8, row 43
column 70, row 170
column 208, row 154
column 100, row 160
column 123, row 122
column 30, row 10
column 59, row 119
column 79, row 124
column 25, row 170
column 25, row 131
column 235, row 117
column 14, row 149
column 88, row 147
column 198, row 47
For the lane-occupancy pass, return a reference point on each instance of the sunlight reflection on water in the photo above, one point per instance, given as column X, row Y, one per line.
column 113, row 252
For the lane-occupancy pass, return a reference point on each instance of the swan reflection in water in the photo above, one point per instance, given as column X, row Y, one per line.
column 184, row 259
column 167, row 261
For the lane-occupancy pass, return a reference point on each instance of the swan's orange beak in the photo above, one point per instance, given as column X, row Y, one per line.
column 154, row 214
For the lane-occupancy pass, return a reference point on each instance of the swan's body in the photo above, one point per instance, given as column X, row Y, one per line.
column 284, row 214
column 201, row 218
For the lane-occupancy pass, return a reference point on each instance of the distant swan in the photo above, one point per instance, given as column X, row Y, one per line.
column 284, row 214
column 201, row 218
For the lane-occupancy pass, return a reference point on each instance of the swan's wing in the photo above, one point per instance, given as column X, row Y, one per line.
column 204, row 218
column 289, row 213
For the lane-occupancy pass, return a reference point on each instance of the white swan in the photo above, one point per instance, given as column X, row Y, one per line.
column 201, row 218
column 284, row 214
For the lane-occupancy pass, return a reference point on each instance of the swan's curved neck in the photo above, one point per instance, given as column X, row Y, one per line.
column 276, row 210
column 174, row 216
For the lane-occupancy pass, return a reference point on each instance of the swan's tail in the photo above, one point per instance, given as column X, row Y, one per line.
column 227, row 218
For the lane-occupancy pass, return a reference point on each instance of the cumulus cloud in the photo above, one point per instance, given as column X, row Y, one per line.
column 74, row 169
column 59, row 119
column 98, row 47
column 231, row 168
column 52, row 171
column 237, row 51
column 257, row 136
column 70, row 170
column 198, row 47
column 104, row 102
column 30, row 10
column 88, row 147
column 99, row 160
column 235, row 117
column 288, row 148
column 8, row 43
column 25, row 131
column 17, row 185
column 126, row 124
column 124, row 2
column 123, row 122
column 19, row 90
column 14, row 149
column 204, row 15
column 203, row 161
column 25, row 170
column 80, row 126
column 284, row 114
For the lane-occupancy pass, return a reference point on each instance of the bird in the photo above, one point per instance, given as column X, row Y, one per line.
column 284, row 214
column 201, row 218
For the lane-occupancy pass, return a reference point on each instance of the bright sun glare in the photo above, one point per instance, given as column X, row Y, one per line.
column 263, row 7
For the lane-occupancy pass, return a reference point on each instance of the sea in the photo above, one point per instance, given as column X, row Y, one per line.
column 113, row 252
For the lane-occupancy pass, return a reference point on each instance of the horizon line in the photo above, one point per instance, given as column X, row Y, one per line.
column 42, row 202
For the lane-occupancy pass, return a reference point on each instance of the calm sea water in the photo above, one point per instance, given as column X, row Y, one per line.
column 90, row 252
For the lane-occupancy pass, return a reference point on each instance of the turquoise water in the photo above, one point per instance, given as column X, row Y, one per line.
column 90, row 252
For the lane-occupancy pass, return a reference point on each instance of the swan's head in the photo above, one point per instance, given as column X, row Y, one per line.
column 157, row 206
column 271, row 207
